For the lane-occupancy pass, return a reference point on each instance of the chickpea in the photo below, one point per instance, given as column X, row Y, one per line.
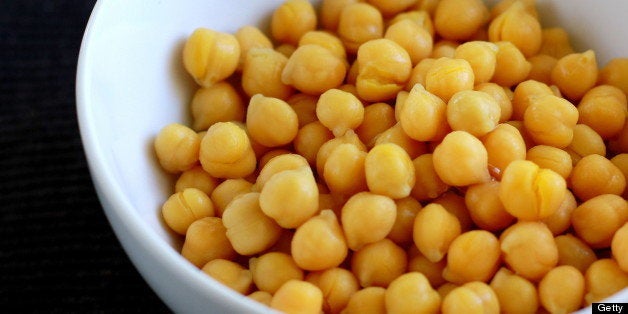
column 528, row 248
column 359, row 23
column 555, row 42
column 619, row 144
column 367, row 218
column 389, row 171
column 619, row 246
column 370, row 300
column 585, row 142
column 384, row 68
column 445, row 289
column 248, row 229
column 330, row 11
column 603, row 279
column 205, row 241
column 475, row 112
column 262, row 297
column 414, row 38
column 526, row 93
column 278, row 164
column 504, row 144
column 461, row 159
column 196, row 178
column 286, row 49
column 428, row 184
column 604, row 109
column 444, row 49
column 575, row 74
column 309, row 140
column 326, row 40
column 217, row 103
column 291, row 20
column 479, row 247
column 434, row 230
column 448, row 76
column 574, row 252
column 553, row 158
column 459, row 19
column 325, row 150
column 298, row 297
column 481, row 55
column 378, row 263
column 432, row 271
column 614, row 73
column 313, row 69
column 267, row 156
column 305, row 107
column 621, row 162
column 527, row 138
column 337, row 285
column 411, row 293
column 229, row 273
column 378, row 117
column 472, row 297
column 226, row 151
column 344, row 170
column 541, row 66
column 396, row 135
column 503, row 5
column 250, row 37
column 177, row 148
column 562, row 289
column 271, row 270
column 515, row 293
column 226, row 191
column 518, row 26
column 423, row 115
column 560, row 220
column 595, row 175
column 550, row 121
column 455, row 204
column 210, row 56
column 319, row 243
column 485, row 207
column 271, row 121
column 339, row 111
column 419, row 71
column 511, row 66
column 596, row 220
column 262, row 73
column 419, row 16
column 185, row 207
column 500, row 94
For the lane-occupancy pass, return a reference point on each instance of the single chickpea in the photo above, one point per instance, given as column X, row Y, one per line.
column 562, row 289
column 603, row 279
column 515, row 293
column 519, row 27
column 619, row 247
column 210, row 56
column 217, row 103
column 445, row 289
column 177, row 147
column 585, row 142
column 444, row 49
column 313, row 69
column 389, row 171
column 459, row 19
column 423, row 115
column 271, row 270
column 396, row 135
column 330, row 11
column 344, row 170
column 196, row 178
column 325, row 150
column 432, row 271
column 291, row 20
column 527, row 138
column 271, row 121
column 596, row 220
column 229, row 273
column 370, row 300
column 550, row 121
column 472, row 297
column 475, row 112
column 305, row 107
column 428, row 184
column 267, row 156
column 528, row 248
column 226, row 151
column 205, row 241
column 338, row 285
column 262, row 73
column 511, row 66
column 390, row 8
column 595, row 175
column 226, row 191
column 419, row 71
column 339, row 111
column 503, row 5
column 249, row 230
column 250, row 37
column 550, row 157
column 319, row 243
column 367, row 218
column 262, row 297
column 500, row 94
column 481, row 55
column 298, row 297
column 455, row 204
column 434, row 230
column 326, row 40
column 485, row 207
column 604, row 109
column 477, row 246
column 555, row 42
column 419, row 16
column 411, row 293
column 277, row 164
column 575, row 74
column 574, row 252
column 378, row 117
column 526, row 93
column 504, row 144
column 414, row 38
column 560, row 220
column 461, row 159
column 359, row 23
column 309, row 140
column 185, row 207
column 621, row 162
column 448, row 76
column 541, row 66
column 378, row 263
column 384, row 68
column 614, row 73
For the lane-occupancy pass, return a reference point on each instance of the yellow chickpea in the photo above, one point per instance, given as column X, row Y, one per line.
column 428, row 184
column 338, row 285
column 614, row 73
column 359, row 23
column 560, row 220
column 511, row 66
column 396, row 135
column 339, row 111
column 418, row 16
column 518, row 26
column 226, row 151
column 196, row 178
column 619, row 247
column 185, row 207
column 210, row 56
column 503, row 5
column 177, row 147
column 277, row 164
column 271, row 121
column 370, row 300
column 271, row 270
column 481, row 55
column 479, row 247
column 250, row 37
column 262, row 73
column 621, row 162
column 459, row 19
column 472, row 297
column 461, row 159
column 455, row 204
column 319, row 243
column 217, row 103
column 344, row 170
column 367, row 218
column 595, row 175
column 550, row 157
column 541, row 66
column 423, row 115
column 291, row 20
column 330, row 11
column 226, row 191
column 206, row 240
column 305, row 107
column 445, row 289
column 298, row 297
column 378, row 263
column 574, row 252
column 528, row 248
column 575, row 74
column 326, row 40
column 432, row 271
column 550, row 120
column 414, row 38
column 313, row 69
column 378, row 117
column 309, row 140
column 267, row 156
column 444, row 49
column 500, row 94
column 475, row 112
column 603, row 279
column 434, row 230
column 485, row 207
column 325, row 150
column 585, row 142
column 389, row 171
column 515, row 293
column 448, row 76
column 411, row 293
column 229, row 273
column 262, row 297
column 504, row 144
column 384, row 68
column 562, row 289
column 526, row 93
column 619, row 144
column 419, row 71
column 596, row 220
column 604, row 109
column 555, row 42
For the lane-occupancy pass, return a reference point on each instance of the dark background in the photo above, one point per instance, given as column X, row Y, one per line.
column 58, row 253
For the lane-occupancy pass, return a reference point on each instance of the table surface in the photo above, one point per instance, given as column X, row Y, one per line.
column 58, row 253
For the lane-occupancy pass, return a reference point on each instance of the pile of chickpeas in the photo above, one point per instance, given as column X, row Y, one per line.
column 403, row 156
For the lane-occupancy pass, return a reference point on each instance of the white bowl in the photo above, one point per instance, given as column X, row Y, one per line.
column 130, row 83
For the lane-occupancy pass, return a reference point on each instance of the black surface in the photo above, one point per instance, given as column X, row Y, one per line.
column 58, row 253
